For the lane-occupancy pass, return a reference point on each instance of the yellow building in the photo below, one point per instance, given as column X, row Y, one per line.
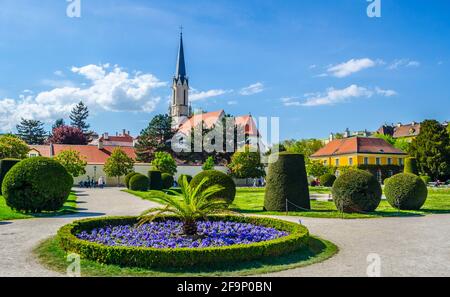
column 373, row 154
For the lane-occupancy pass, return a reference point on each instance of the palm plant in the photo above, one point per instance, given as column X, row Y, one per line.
column 189, row 205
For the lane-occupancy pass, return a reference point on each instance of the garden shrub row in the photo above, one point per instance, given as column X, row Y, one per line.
column 139, row 182
column 181, row 257
column 327, row 180
column 155, row 177
column 5, row 166
column 128, row 177
column 167, row 181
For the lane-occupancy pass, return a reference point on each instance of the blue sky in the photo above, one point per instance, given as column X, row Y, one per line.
column 320, row 66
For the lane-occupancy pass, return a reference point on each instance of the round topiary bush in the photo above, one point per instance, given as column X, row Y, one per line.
column 188, row 177
column 167, row 181
column 139, row 182
column 155, row 177
column 327, row 180
column 37, row 184
column 406, row 191
column 128, row 177
column 356, row 191
column 287, row 183
column 426, row 179
column 5, row 166
column 411, row 166
column 216, row 178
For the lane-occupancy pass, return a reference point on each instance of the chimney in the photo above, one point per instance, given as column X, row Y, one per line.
column 413, row 123
column 105, row 136
column 128, row 133
column 347, row 133
column 331, row 137
column 399, row 124
column 100, row 144
column 124, row 132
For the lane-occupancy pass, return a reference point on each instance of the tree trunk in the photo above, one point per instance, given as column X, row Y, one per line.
column 190, row 228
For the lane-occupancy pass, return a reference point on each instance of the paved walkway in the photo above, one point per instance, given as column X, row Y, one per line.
column 413, row 246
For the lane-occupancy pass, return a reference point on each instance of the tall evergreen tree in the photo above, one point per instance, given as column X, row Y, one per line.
column 58, row 123
column 432, row 150
column 78, row 117
column 31, row 131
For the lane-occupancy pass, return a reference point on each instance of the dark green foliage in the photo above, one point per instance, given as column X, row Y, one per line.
column 37, row 184
column 167, row 181
column 406, row 191
column 426, row 179
column 216, row 178
column 327, row 180
column 386, row 170
column 128, row 177
column 31, row 131
column 155, row 177
column 432, row 150
column 356, row 191
column 287, row 184
column 139, row 182
column 78, row 117
column 181, row 257
column 180, row 178
column 411, row 166
column 5, row 166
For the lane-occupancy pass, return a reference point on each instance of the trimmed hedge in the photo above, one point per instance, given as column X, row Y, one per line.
column 327, row 180
column 139, row 182
column 411, row 166
column 37, row 184
column 181, row 257
column 155, row 178
column 167, row 181
column 5, row 166
column 128, row 177
column 287, row 181
column 216, row 178
column 356, row 191
column 406, row 191
column 189, row 178
column 426, row 179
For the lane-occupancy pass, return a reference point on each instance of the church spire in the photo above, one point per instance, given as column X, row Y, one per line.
column 180, row 88
column 181, row 66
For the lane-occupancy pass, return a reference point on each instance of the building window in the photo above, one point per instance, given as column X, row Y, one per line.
column 31, row 155
column 389, row 160
column 378, row 161
column 366, row 161
column 350, row 161
column 337, row 162
column 400, row 161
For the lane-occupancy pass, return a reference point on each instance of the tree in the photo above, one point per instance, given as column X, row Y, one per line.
column 155, row 138
column 118, row 164
column 58, row 123
column 317, row 169
column 13, row 147
column 246, row 164
column 78, row 117
column 68, row 135
column 74, row 163
column 399, row 143
column 31, row 131
column 209, row 164
column 165, row 163
column 306, row 147
column 432, row 150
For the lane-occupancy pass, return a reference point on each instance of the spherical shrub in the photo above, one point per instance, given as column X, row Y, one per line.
column 216, row 178
column 411, row 166
column 37, row 184
column 188, row 177
column 5, row 166
column 426, row 179
column 128, row 177
column 155, row 180
column 287, row 183
column 167, row 180
column 356, row 191
column 406, row 191
column 139, row 182
column 327, row 180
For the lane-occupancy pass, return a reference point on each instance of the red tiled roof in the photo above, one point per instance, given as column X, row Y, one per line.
column 91, row 153
column 407, row 130
column 249, row 124
column 209, row 118
column 369, row 145
column 122, row 138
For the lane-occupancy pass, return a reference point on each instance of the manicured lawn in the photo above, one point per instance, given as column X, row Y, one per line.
column 251, row 201
column 7, row 213
column 53, row 256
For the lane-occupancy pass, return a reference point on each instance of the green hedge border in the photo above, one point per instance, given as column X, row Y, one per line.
column 181, row 257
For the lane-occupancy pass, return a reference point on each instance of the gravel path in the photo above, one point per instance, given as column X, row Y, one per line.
column 413, row 246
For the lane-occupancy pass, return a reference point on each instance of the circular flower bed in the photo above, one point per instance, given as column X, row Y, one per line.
column 221, row 239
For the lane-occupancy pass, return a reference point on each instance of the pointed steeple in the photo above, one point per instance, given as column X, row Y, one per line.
column 181, row 66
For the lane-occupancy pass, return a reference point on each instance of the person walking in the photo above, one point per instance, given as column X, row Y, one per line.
column 101, row 182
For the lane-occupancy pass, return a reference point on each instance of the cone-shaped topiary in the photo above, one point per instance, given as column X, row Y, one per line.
column 155, row 180
column 128, row 177
column 327, row 180
column 356, row 191
column 411, row 166
column 5, row 166
column 167, row 181
column 37, row 184
column 406, row 191
column 287, row 183
column 139, row 182
column 216, row 178
column 180, row 178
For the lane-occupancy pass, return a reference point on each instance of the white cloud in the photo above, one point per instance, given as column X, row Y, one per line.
column 196, row 95
column 386, row 93
column 313, row 66
column 252, row 89
column 232, row 102
column 403, row 63
column 110, row 90
column 58, row 73
column 352, row 66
